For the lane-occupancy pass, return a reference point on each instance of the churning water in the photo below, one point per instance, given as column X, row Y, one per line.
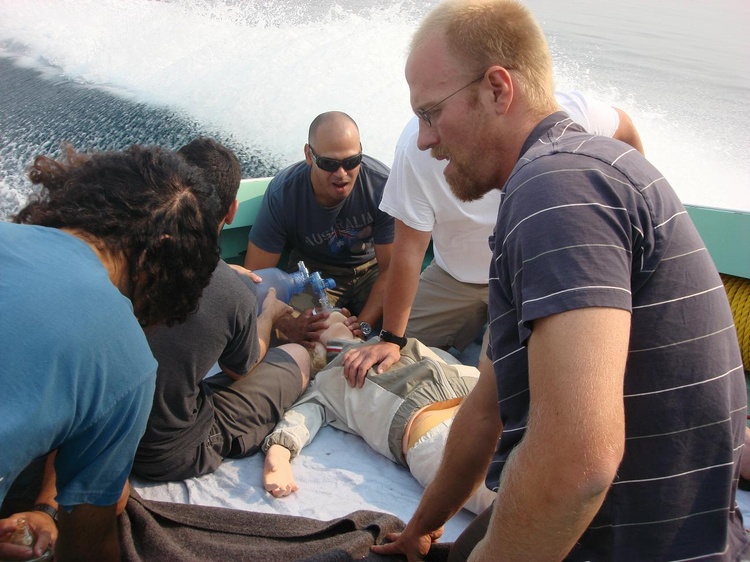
column 104, row 74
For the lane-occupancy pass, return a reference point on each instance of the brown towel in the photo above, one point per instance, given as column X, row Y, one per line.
column 156, row 531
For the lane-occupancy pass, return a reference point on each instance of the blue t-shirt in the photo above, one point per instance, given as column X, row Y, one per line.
column 344, row 235
column 76, row 372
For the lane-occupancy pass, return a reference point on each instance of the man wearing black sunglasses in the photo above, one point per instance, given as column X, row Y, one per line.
column 325, row 210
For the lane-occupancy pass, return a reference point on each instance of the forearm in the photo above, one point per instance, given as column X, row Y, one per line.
column 400, row 291
column 541, row 510
column 49, row 482
column 272, row 311
column 558, row 475
column 264, row 328
column 372, row 312
column 401, row 286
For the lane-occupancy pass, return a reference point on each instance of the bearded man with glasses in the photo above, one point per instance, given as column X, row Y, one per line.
column 325, row 209
column 610, row 414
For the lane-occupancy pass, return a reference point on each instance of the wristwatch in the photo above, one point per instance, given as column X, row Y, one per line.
column 366, row 329
column 46, row 508
column 385, row 335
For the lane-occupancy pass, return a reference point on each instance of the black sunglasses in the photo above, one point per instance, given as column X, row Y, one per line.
column 331, row 165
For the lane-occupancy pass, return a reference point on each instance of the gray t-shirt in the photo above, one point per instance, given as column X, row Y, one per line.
column 223, row 329
column 344, row 235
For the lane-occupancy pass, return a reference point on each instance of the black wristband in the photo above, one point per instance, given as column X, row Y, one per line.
column 46, row 508
column 400, row 341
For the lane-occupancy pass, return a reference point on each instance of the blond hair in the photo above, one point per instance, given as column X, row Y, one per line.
column 483, row 33
column 318, row 358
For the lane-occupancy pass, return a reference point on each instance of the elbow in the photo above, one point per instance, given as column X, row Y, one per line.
column 591, row 475
column 600, row 477
column 627, row 133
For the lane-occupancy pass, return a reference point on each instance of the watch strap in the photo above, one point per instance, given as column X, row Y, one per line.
column 390, row 337
column 46, row 508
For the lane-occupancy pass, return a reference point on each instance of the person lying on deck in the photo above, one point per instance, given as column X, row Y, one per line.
column 404, row 414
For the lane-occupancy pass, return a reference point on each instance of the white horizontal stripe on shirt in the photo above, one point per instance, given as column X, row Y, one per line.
column 671, row 476
column 684, row 430
column 621, row 155
column 690, row 296
column 671, row 389
column 682, row 342
column 670, row 218
column 585, row 288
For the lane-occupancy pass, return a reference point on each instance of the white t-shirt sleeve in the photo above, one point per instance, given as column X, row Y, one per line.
column 596, row 116
column 405, row 196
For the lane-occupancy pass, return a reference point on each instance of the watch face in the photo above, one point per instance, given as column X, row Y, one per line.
column 366, row 329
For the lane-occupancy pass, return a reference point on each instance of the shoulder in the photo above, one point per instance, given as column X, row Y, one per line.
column 373, row 171
column 408, row 155
column 583, row 173
column 570, row 144
column 559, row 165
column 408, row 139
column 290, row 178
column 228, row 288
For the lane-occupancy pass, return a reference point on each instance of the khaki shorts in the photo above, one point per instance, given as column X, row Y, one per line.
column 447, row 312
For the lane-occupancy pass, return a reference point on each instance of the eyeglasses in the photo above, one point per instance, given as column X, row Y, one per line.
column 424, row 114
column 331, row 165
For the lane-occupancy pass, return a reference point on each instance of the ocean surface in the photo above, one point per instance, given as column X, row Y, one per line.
column 103, row 74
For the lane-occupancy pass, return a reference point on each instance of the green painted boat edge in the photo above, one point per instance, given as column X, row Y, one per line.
column 725, row 232
column 234, row 236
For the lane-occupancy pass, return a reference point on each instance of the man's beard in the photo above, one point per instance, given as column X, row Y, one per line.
column 460, row 180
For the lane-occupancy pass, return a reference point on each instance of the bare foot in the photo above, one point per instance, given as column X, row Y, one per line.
column 278, row 478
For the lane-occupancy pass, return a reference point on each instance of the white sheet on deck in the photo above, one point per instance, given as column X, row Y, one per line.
column 337, row 474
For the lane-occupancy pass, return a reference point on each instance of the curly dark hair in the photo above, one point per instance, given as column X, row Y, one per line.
column 145, row 203
column 219, row 165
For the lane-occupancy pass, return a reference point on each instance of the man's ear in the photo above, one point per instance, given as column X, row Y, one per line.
column 232, row 212
column 308, row 157
column 502, row 88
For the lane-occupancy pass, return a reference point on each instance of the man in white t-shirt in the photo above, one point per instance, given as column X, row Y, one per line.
column 447, row 305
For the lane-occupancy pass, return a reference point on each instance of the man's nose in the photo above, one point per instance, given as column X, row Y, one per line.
column 427, row 137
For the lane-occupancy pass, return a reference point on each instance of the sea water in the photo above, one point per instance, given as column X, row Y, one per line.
column 104, row 74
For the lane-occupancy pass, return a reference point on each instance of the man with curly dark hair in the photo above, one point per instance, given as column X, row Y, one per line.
column 114, row 239
column 197, row 422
